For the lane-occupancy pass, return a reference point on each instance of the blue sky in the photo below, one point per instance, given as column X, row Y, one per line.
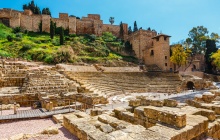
column 172, row 17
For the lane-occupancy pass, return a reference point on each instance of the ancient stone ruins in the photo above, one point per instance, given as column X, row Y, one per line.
column 134, row 117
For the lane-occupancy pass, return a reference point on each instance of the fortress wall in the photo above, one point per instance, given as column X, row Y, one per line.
column 61, row 22
column 94, row 16
column 36, row 19
column 84, row 27
column 98, row 27
column 15, row 19
column 63, row 16
column 114, row 29
column 72, row 25
column 46, row 23
column 26, row 22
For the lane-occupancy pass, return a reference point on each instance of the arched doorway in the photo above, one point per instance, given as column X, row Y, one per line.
column 190, row 85
column 5, row 21
column 194, row 67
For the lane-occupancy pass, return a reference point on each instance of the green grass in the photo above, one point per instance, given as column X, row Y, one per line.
column 40, row 47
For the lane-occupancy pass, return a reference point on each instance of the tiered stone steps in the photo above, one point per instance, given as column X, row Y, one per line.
column 126, row 82
column 47, row 81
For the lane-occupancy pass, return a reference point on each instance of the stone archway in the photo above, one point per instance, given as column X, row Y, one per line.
column 190, row 85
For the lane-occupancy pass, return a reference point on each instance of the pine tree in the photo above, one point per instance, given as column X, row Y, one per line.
column 129, row 30
column 52, row 29
column 135, row 27
column 61, row 36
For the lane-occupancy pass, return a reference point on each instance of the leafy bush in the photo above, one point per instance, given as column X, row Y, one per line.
column 37, row 41
column 18, row 39
column 64, row 54
column 55, row 42
column 114, row 56
column 9, row 38
column 25, row 47
column 49, row 59
column 73, row 35
column 17, row 30
column 19, row 35
column 4, row 53
column 108, row 37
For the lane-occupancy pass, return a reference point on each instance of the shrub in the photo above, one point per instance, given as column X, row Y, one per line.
column 9, row 38
column 19, row 35
column 17, row 30
column 64, row 54
column 108, row 37
column 37, row 41
column 73, row 35
column 4, row 53
column 18, row 39
column 49, row 59
column 25, row 47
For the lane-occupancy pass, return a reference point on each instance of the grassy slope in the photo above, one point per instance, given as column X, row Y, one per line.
column 35, row 46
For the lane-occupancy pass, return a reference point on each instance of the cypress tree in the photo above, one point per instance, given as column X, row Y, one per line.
column 121, row 30
column 129, row 30
column 135, row 27
column 40, row 26
column 61, row 36
column 52, row 29
column 210, row 48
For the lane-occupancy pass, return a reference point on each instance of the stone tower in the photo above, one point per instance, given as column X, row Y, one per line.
column 161, row 51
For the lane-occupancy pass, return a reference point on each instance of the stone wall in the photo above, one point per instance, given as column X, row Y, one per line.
column 26, row 22
column 61, row 22
column 46, row 23
column 114, row 29
column 36, row 19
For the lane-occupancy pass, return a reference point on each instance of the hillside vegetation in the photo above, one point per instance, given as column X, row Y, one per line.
column 15, row 43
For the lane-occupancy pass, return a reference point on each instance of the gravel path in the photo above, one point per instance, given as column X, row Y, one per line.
column 33, row 127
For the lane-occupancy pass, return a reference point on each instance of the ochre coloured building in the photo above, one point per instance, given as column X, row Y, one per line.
column 149, row 46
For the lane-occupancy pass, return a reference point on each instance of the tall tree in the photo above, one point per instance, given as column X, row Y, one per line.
column 179, row 55
column 35, row 9
column 40, row 26
column 210, row 49
column 129, row 30
column 135, row 27
column 112, row 20
column 198, row 36
column 61, row 36
column 52, row 29
column 121, row 30
column 46, row 11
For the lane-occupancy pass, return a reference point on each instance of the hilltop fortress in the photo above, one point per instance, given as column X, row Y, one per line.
column 149, row 46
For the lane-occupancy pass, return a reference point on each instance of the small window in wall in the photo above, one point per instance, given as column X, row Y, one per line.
column 166, row 57
column 152, row 52
column 165, row 64
column 165, row 38
column 157, row 39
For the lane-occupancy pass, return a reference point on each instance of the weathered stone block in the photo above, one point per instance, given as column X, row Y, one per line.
column 157, row 103
column 170, row 103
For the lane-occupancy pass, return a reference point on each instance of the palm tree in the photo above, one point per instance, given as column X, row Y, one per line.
column 112, row 20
